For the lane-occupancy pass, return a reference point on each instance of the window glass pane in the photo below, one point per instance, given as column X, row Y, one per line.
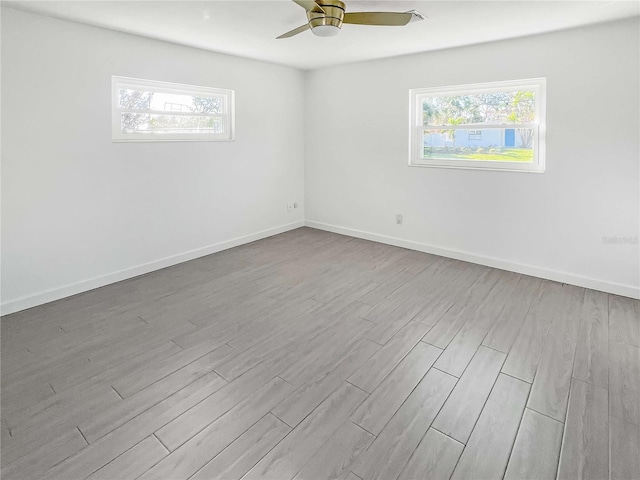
column 157, row 123
column 133, row 99
column 480, row 108
column 488, row 144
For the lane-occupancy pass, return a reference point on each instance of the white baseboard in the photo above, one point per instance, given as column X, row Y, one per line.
column 40, row 298
column 557, row 276
column 47, row 296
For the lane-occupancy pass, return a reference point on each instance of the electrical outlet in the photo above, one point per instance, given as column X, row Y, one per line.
column 289, row 207
column 399, row 219
column 295, row 204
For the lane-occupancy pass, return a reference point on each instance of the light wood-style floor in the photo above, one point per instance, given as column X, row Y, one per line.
column 311, row 355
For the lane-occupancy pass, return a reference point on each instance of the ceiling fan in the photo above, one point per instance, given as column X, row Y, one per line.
column 325, row 18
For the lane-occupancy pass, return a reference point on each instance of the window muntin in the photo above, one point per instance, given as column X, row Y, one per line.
column 497, row 125
column 147, row 110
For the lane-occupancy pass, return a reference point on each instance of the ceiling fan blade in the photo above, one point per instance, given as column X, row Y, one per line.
column 295, row 31
column 377, row 18
column 310, row 6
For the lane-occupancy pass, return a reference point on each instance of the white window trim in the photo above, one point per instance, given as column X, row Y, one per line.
column 539, row 85
column 167, row 87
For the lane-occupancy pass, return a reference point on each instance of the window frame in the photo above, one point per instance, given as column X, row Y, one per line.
column 416, row 127
column 476, row 134
column 117, row 135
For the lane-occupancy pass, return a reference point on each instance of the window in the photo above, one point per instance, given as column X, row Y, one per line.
column 475, row 134
column 151, row 111
column 493, row 126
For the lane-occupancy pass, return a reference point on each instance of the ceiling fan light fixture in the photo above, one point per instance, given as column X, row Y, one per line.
column 326, row 30
column 326, row 17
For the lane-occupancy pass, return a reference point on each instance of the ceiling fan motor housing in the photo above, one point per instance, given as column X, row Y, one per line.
column 334, row 13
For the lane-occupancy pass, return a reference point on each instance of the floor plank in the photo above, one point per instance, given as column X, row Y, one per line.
column 624, row 382
column 444, row 289
column 308, row 396
column 448, row 326
column 382, row 404
column 585, row 452
column 241, row 456
column 592, row 349
column 391, row 450
column 487, row 451
column 64, row 413
column 435, row 457
column 383, row 331
column 392, row 283
column 523, row 358
column 336, row 457
column 108, row 419
column 293, row 453
column 323, row 352
column 134, row 462
column 134, row 383
column 624, row 450
column 384, row 308
column 292, row 333
column 624, row 325
column 461, row 411
column 371, row 374
column 194, row 454
column 504, row 330
column 458, row 354
column 537, row 448
column 180, row 429
column 550, row 390
column 36, row 463
column 100, row 453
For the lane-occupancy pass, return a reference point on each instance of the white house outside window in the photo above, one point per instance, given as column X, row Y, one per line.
column 495, row 126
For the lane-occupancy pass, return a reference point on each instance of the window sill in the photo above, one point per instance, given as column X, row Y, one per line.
column 492, row 168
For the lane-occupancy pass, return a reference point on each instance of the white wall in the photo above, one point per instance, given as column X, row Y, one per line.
column 79, row 211
column 552, row 224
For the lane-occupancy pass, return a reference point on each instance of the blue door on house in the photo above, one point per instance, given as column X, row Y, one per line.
column 510, row 137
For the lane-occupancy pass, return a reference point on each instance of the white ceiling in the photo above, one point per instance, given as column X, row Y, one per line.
column 249, row 28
